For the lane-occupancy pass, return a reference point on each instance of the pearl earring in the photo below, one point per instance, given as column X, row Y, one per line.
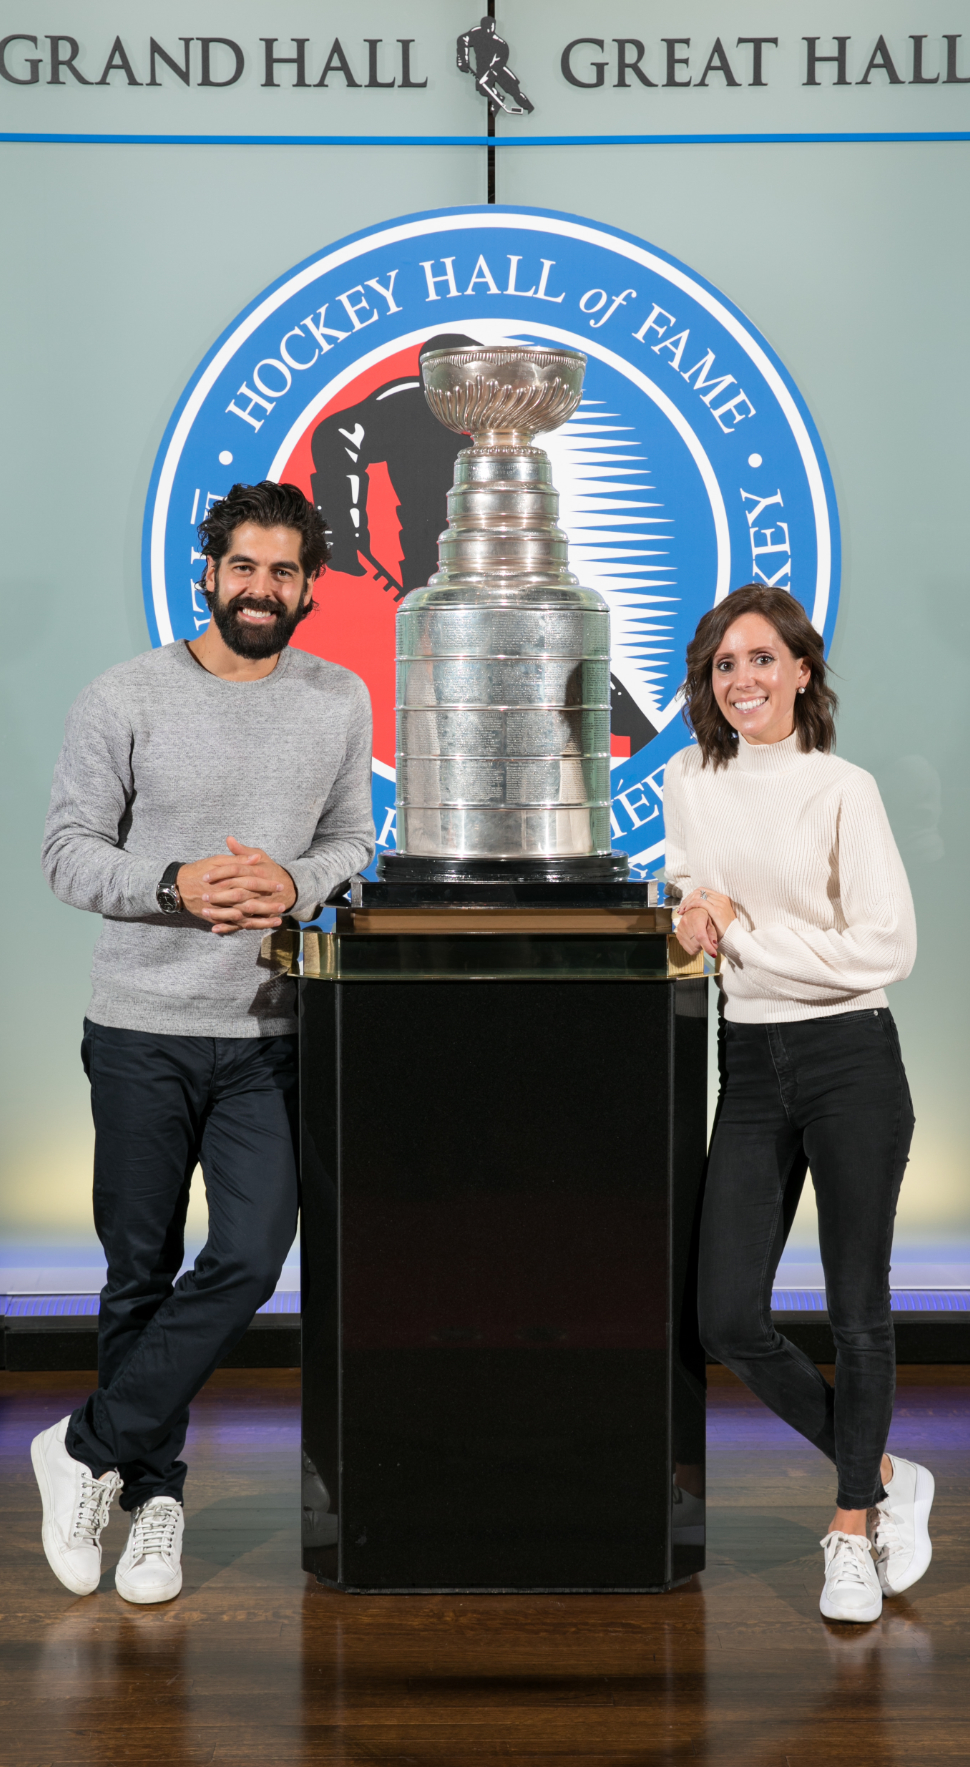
column 801, row 690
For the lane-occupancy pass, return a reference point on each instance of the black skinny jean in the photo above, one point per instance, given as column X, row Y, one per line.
column 829, row 1094
column 160, row 1105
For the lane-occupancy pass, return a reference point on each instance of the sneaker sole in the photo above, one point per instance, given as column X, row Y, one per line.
column 141, row 1597
column 920, row 1562
column 860, row 1616
column 52, row 1553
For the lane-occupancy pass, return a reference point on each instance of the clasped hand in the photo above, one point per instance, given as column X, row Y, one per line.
column 245, row 888
column 705, row 916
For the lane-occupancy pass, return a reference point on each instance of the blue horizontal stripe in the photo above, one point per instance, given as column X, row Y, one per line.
column 903, row 1300
column 783, row 1300
column 51, row 1306
column 80, row 140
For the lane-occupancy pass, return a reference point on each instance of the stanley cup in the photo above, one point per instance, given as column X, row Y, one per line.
column 503, row 672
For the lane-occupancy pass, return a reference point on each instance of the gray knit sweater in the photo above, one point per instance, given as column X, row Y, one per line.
column 161, row 761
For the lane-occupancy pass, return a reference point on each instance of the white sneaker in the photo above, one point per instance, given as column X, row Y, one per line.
column 150, row 1568
column 76, row 1510
column 851, row 1590
column 901, row 1533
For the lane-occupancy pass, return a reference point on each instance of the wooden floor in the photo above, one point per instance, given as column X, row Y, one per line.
column 254, row 1664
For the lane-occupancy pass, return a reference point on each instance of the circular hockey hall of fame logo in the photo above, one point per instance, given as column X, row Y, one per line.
column 691, row 466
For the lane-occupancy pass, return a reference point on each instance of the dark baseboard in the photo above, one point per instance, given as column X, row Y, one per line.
column 926, row 1338
column 273, row 1341
column 36, row 1345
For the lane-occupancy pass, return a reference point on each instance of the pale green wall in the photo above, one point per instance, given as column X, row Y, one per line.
column 851, row 259
column 109, row 298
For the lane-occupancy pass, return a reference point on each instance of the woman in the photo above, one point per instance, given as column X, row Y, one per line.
column 788, row 870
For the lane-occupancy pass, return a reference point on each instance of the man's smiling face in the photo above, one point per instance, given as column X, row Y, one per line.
column 258, row 591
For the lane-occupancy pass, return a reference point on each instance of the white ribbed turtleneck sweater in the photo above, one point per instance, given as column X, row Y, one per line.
column 802, row 845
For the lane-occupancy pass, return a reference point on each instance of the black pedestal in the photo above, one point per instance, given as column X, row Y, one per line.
column 500, row 1358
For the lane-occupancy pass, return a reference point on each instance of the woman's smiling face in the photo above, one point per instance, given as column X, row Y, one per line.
column 755, row 679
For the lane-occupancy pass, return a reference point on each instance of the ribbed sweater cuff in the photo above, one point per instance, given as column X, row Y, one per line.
column 312, row 888
column 730, row 944
column 141, row 883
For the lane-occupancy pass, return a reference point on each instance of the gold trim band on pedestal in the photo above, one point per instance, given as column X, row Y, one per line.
column 682, row 968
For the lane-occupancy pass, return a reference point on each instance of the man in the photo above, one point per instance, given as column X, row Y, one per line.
column 204, row 791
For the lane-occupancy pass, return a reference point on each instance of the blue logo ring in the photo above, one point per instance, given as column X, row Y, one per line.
column 693, row 464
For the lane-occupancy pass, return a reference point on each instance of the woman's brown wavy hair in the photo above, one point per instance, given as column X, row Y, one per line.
column 814, row 709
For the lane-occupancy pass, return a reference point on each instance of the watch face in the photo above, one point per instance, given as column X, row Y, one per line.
column 167, row 897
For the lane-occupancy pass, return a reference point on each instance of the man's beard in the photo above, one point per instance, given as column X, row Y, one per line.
column 267, row 638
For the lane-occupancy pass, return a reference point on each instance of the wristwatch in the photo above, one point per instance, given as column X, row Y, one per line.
column 166, row 892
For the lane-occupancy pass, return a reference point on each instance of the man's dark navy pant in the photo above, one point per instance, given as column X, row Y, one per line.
column 161, row 1105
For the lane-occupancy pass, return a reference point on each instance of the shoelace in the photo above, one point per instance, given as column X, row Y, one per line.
column 886, row 1537
column 153, row 1529
column 94, row 1507
column 851, row 1550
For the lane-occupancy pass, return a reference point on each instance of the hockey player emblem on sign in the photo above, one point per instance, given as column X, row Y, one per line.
column 394, row 424
column 493, row 76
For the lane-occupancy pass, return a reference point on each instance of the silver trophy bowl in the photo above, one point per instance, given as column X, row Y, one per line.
column 503, row 661
column 503, row 393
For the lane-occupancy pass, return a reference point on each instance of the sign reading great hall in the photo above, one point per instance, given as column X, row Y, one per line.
column 619, row 68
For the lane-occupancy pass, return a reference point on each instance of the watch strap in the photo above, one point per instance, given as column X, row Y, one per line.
column 171, row 872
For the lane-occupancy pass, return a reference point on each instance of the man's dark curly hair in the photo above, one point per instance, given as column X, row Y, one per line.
column 814, row 709
column 269, row 506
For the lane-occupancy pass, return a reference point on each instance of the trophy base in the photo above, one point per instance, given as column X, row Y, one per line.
column 586, row 868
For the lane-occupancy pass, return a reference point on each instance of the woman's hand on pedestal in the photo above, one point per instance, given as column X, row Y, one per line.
column 707, row 908
column 695, row 931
